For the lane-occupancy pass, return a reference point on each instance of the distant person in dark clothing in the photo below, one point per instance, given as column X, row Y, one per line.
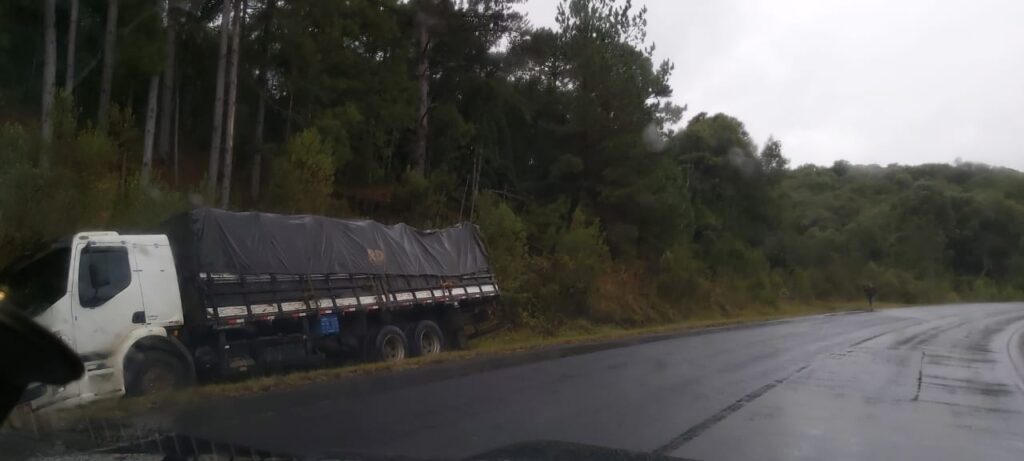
column 870, row 292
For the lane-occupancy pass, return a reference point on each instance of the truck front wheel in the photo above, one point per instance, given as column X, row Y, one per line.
column 427, row 339
column 154, row 372
column 390, row 344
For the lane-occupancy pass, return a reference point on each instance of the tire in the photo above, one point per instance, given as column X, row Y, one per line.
column 427, row 339
column 153, row 372
column 390, row 344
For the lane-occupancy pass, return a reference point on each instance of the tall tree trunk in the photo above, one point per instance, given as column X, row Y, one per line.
column 167, row 89
column 212, row 173
column 49, row 80
column 150, row 133
column 261, row 109
column 107, row 76
column 257, row 160
column 419, row 155
column 288, row 119
column 229, row 129
column 177, row 119
column 477, row 166
column 69, row 68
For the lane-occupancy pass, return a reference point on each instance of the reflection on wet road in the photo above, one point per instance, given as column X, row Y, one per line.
column 918, row 383
column 942, row 388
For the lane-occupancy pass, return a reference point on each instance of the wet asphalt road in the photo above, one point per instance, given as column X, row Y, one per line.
column 922, row 383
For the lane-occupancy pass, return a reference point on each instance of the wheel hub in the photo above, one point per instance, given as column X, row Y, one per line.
column 430, row 344
column 392, row 349
column 157, row 379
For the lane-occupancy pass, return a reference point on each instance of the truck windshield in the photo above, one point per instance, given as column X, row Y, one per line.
column 40, row 282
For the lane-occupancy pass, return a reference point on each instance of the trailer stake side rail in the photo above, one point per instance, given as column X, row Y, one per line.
column 232, row 299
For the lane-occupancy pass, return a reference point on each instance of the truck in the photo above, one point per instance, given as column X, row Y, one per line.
column 214, row 294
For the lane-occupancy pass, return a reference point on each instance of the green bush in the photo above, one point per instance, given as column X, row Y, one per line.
column 683, row 281
column 505, row 238
column 426, row 201
column 141, row 206
column 563, row 285
column 302, row 180
column 89, row 185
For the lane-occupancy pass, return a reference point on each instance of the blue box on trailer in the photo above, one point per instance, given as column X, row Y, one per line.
column 329, row 324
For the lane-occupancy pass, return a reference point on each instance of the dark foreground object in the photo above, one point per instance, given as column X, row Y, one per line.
column 30, row 355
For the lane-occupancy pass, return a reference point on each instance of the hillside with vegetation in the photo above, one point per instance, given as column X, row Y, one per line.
column 598, row 197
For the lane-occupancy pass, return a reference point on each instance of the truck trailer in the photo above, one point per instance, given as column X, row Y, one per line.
column 214, row 294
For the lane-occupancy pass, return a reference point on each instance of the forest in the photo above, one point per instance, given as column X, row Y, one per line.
column 599, row 198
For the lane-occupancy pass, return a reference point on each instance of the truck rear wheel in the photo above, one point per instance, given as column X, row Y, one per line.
column 155, row 372
column 427, row 339
column 390, row 344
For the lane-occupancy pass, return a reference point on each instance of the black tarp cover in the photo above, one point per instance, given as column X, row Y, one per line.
column 263, row 243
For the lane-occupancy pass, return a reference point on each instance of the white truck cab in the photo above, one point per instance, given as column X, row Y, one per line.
column 120, row 289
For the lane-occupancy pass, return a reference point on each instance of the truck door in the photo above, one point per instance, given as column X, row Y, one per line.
column 106, row 299
column 158, row 281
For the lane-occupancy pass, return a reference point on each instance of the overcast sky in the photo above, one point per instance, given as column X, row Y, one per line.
column 869, row 81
